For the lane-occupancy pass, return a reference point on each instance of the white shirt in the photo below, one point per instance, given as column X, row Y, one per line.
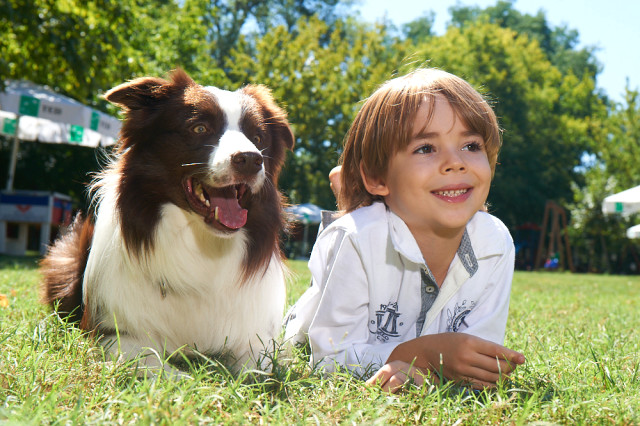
column 366, row 295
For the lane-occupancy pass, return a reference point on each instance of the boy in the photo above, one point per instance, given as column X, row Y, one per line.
column 415, row 278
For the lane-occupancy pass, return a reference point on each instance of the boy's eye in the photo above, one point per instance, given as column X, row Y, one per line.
column 473, row 147
column 424, row 149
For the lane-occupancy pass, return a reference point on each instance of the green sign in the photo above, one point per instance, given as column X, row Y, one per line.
column 76, row 133
column 9, row 126
column 619, row 207
column 95, row 121
column 29, row 106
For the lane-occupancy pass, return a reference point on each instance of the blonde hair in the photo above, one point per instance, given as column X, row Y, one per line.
column 384, row 126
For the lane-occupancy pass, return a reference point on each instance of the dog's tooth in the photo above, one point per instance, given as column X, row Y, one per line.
column 200, row 194
column 215, row 213
column 207, row 203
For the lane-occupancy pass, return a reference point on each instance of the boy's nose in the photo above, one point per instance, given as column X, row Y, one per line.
column 453, row 162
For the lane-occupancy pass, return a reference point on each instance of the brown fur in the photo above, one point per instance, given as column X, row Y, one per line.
column 63, row 269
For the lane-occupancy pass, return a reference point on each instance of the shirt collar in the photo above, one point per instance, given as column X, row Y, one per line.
column 477, row 242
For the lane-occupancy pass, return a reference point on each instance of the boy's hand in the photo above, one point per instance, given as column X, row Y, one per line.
column 461, row 357
column 393, row 375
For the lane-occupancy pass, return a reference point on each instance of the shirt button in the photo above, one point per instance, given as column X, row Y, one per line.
column 430, row 289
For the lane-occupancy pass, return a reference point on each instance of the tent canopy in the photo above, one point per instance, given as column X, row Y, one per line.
column 35, row 113
column 625, row 202
column 306, row 213
column 633, row 232
column 29, row 112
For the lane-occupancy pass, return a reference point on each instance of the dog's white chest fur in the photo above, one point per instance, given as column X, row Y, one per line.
column 187, row 291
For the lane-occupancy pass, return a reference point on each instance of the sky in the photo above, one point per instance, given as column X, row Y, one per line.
column 612, row 26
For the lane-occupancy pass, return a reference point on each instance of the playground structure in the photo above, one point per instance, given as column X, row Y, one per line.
column 557, row 253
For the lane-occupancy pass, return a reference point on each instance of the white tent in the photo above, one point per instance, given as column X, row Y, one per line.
column 625, row 202
column 633, row 232
column 306, row 213
column 29, row 112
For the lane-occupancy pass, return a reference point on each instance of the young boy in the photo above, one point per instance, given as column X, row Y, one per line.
column 415, row 278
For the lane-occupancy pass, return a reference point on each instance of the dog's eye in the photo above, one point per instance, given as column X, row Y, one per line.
column 199, row 128
column 256, row 139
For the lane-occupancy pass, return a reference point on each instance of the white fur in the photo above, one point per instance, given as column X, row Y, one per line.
column 232, row 106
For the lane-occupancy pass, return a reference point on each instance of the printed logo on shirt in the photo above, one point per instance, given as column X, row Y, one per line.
column 387, row 322
column 457, row 318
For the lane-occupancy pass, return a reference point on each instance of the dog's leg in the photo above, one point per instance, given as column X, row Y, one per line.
column 150, row 354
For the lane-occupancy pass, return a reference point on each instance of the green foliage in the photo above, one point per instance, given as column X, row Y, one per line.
column 419, row 29
column 54, row 43
column 320, row 84
column 582, row 367
column 621, row 151
column 560, row 44
column 600, row 242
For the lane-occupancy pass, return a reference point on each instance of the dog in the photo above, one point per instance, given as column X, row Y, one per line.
column 182, row 252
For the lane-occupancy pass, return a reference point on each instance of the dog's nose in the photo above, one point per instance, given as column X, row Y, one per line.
column 247, row 163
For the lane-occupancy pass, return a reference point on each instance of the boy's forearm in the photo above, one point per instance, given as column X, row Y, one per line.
column 415, row 352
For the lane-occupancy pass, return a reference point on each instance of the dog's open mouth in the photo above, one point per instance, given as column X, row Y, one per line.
column 218, row 206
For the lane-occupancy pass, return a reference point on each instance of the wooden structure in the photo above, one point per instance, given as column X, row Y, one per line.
column 553, row 214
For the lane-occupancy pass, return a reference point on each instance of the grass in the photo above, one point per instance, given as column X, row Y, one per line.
column 579, row 333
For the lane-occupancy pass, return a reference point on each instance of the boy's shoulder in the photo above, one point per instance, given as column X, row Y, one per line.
column 362, row 219
column 488, row 234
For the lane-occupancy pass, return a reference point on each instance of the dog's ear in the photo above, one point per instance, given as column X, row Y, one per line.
column 139, row 101
column 275, row 116
column 147, row 91
column 136, row 94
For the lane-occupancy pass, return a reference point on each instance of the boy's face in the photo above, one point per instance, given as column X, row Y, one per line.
column 441, row 179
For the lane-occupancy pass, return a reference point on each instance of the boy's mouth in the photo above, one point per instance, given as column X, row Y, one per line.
column 451, row 192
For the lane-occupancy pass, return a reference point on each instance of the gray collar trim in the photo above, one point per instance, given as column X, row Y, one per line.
column 466, row 254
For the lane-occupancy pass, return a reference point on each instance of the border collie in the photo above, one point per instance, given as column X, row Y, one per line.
column 183, row 252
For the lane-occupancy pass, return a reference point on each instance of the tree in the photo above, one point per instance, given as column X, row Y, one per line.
column 288, row 12
column 419, row 29
column 320, row 84
column 600, row 240
column 621, row 151
column 560, row 44
column 74, row 47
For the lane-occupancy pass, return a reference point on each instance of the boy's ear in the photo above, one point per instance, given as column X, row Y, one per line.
column 373, row 185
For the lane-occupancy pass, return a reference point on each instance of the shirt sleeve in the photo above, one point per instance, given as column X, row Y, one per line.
column 339, row 331
column 298, row 318
column 489, row 318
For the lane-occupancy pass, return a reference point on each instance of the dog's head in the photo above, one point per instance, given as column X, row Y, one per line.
column 211, row 152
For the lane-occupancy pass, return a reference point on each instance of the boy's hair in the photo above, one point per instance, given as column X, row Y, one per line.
column 384, row 126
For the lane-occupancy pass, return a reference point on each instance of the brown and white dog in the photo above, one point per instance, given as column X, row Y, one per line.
column 183, row 252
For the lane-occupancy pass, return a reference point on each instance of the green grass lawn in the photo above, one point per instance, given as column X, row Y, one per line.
column 579, row 333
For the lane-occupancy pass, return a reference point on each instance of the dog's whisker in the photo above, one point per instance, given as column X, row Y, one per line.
column 193, row 164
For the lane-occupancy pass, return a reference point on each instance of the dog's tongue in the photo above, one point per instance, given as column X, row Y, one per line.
column 229, row 212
